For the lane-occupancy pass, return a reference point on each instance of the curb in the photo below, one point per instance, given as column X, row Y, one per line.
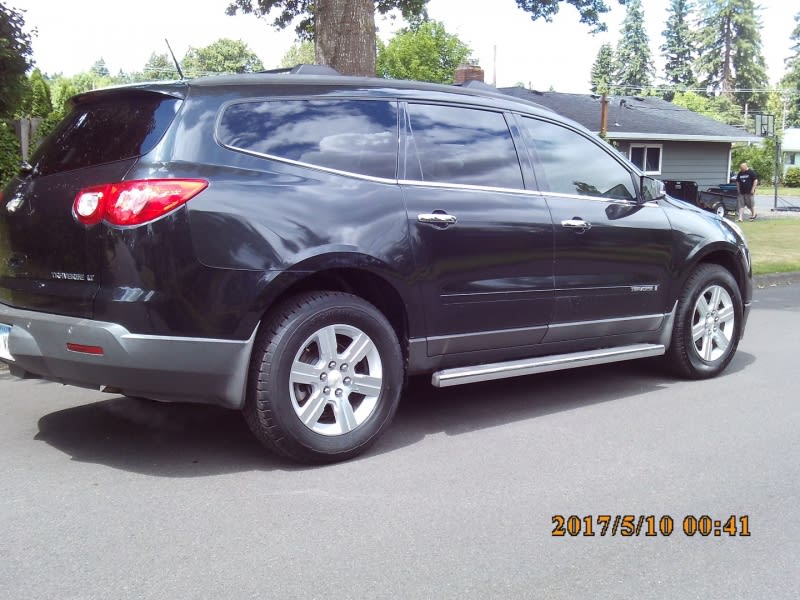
column 774, row 279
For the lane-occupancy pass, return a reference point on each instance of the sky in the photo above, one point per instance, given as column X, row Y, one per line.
column 73, row 35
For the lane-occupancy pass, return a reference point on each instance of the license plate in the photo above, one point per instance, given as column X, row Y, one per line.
column 5, row 333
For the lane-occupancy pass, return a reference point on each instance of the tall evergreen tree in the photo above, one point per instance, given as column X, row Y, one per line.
column 602, row 75
column 791, row 79
column 730, row 54
column 634, row 64
column 40, row 104
column 16, row 57
column 679, row 45
column 99, row 68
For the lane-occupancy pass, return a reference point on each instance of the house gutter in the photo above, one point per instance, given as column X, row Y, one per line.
column 675, row 137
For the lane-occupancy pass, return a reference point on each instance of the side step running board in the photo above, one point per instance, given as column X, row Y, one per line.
column 543, row 364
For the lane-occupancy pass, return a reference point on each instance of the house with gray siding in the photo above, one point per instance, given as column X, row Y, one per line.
column 790, row 148
column 666, row 141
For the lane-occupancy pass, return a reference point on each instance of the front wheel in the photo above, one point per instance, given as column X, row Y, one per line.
column 325, row 378
column 707, row 324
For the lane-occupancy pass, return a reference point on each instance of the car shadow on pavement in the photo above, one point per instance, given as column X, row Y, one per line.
column 463, row 409
column 191, row 440
column 155, row 438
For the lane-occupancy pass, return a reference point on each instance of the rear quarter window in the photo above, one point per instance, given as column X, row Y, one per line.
column 105, row 130
column 356, row 136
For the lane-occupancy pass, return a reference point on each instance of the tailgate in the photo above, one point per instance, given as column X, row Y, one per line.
column 49, row 261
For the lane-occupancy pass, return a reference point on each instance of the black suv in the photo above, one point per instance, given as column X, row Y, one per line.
column 295, row 246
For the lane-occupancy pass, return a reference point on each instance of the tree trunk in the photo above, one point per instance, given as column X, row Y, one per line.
column 345, row 35
column 727, row 76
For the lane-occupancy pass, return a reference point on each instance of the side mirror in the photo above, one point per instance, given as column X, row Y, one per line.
column 652, row 189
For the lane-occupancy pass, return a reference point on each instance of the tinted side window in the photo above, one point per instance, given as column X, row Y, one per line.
column 568, row 163
column 106, row 130
column 358, row 136
column 449, row 144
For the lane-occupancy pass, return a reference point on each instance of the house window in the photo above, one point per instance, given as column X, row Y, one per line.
column 647, row 158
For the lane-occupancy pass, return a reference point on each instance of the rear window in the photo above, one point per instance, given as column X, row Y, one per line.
column 357, row 136
column 106, row 130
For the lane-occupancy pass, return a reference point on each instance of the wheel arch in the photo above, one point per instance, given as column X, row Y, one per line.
column 360, row 282
column 361, row 275
column 725, row 256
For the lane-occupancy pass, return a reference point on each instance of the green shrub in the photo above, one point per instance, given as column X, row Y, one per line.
column 792, row 177
column 10, row 155
column 760, row 158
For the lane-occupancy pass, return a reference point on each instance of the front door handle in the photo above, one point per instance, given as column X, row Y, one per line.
column 438, row 218
column 576, row 224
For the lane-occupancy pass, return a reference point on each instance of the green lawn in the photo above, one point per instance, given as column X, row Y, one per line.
column 774, row 245
column 782, row 191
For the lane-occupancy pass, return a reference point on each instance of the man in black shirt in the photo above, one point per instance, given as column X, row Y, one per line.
column 746, row 186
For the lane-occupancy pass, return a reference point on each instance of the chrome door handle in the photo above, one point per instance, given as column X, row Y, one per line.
column 437, row 218
column 577, row 224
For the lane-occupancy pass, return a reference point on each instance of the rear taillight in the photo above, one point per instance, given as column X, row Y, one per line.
column 136, row 202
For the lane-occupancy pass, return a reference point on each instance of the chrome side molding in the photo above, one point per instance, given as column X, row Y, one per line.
column 543, row 364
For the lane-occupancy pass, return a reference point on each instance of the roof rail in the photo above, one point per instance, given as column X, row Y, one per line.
column 304, row 70
column 477, row 84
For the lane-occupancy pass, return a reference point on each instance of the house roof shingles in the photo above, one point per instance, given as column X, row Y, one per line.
column 635, row 117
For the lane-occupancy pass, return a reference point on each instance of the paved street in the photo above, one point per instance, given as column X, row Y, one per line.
column 766, row 204
column 106, row 497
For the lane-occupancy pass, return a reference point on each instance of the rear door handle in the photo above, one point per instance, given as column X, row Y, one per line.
column 440, row 219
column 578, row 225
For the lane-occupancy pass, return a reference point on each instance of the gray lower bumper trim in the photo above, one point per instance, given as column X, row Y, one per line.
column 543, row 364
column 165, row 368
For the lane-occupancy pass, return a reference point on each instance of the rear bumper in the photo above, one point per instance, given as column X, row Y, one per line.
column 180, row 369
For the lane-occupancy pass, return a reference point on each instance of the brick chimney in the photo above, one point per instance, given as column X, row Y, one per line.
column 470, row 71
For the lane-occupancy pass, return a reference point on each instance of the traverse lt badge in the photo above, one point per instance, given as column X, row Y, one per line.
column 644, row 288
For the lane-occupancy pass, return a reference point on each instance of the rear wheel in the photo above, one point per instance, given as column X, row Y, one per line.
column 719, row 209
column 325, row 378
column 707, row 324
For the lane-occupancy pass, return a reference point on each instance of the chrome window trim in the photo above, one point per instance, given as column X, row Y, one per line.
column 649, row 203
column 468, row 186
column 297, row 163
column 437, row 184
column 401, row 103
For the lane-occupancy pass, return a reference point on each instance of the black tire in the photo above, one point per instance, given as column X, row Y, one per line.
column 684, row 357
column 274, row 402
column 719, row 209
